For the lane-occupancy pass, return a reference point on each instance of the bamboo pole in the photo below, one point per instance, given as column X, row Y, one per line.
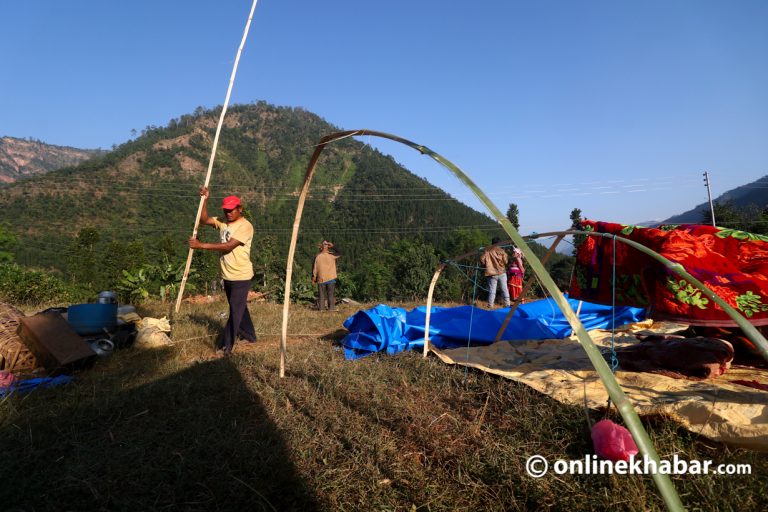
column 429, row 306
column 431, row 292
column 624, row 406
column 296, row 224
column 292, row 251
column 213, row 152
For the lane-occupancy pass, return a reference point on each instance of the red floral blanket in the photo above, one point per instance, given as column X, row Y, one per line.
column 733, row 264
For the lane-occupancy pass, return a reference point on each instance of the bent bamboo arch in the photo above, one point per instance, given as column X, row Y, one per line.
column 624, row 406
column 442, row 265
column 746, row 326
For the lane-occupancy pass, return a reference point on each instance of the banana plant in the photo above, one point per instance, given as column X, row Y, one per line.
column 135, row 284
column 164, row 278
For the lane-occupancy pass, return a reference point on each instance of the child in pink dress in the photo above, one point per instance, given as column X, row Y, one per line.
column 515, row 274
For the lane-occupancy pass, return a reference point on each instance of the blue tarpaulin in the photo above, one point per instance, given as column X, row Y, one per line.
column 393, row 330
column 25, row 386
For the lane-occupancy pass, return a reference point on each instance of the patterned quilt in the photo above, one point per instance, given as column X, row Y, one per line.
column 733, row 264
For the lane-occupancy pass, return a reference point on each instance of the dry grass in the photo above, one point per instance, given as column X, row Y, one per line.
column 172, row 428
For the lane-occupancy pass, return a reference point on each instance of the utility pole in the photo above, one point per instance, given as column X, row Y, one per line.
column 709, row 195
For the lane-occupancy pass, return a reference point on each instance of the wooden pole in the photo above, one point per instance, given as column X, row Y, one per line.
column 213, row 152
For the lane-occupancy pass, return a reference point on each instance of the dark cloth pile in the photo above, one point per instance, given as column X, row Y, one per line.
column 679, row 357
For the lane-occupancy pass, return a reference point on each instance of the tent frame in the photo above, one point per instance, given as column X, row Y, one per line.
column 624, row 406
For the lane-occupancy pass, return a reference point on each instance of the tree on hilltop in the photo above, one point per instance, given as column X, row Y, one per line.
column 513, row 214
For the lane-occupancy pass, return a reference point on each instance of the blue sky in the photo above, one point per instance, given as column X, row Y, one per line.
column 613, row 107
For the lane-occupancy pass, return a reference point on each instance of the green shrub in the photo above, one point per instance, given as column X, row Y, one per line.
column 29, row 287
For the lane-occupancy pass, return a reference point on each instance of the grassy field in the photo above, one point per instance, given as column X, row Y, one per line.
column 173, row 428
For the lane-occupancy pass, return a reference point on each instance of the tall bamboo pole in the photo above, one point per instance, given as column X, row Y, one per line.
column 663, row 482
column 213, row 152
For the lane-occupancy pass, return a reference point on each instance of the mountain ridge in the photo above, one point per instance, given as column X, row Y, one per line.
column 22, row 158
column 744, row 196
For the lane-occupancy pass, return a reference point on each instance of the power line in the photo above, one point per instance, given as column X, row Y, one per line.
column 344, row 195
column 184, row 232
column 529, row 189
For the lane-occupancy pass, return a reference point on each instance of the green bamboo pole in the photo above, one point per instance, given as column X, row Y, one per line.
column 627, row 411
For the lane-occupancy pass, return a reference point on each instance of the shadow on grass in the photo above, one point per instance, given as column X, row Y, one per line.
column 195, row 440
column 209, row 323
column 335, row 336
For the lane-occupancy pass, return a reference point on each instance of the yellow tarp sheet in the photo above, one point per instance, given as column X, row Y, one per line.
column 715, row 408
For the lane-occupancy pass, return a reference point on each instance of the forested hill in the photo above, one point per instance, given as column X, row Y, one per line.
column 138, row 202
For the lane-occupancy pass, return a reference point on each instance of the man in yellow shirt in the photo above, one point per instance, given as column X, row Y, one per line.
column 236, row 267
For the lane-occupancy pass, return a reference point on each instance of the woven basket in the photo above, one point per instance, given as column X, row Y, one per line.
column 14, row 355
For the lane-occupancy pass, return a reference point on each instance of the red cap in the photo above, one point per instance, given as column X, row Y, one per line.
column 230, row 203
